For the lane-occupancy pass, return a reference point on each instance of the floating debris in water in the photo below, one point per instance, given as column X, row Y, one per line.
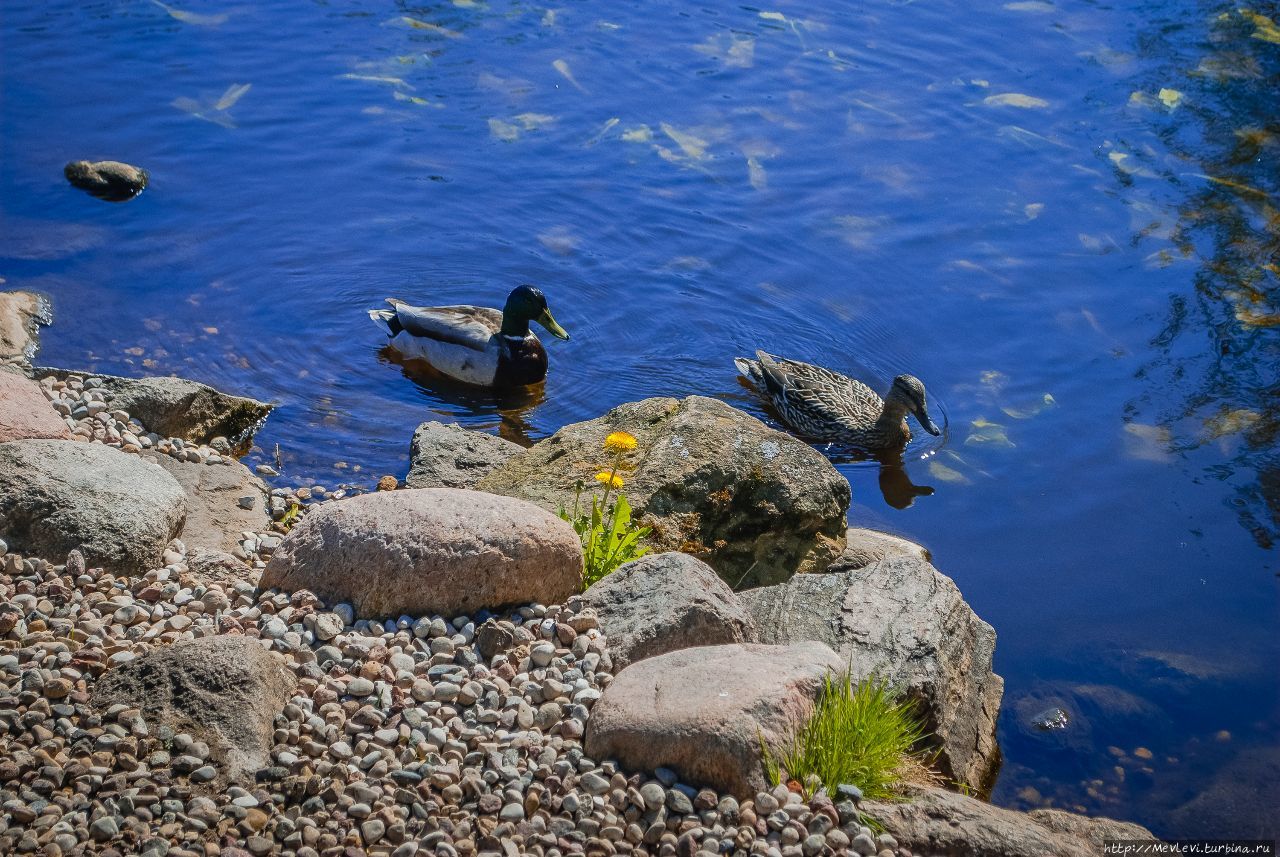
column 193, row 17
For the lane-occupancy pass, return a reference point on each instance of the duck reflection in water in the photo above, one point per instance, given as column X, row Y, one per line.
column 456, row 399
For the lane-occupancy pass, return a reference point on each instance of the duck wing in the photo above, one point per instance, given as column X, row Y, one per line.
column 468, row 326
column 820, row 392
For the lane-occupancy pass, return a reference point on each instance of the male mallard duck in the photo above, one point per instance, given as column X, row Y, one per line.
column 475, row 344
column 827, row 406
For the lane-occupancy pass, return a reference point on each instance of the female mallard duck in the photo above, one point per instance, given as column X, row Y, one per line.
column 475, row 344
column 827, row 406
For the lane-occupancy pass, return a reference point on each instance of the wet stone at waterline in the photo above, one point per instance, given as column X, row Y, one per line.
column 1051, row 720
column 110, row 180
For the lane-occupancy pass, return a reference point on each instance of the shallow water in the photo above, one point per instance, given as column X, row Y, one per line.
column 1058, row 216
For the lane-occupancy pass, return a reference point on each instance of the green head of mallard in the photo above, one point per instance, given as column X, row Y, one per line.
column 908, row 392
column 526, row 304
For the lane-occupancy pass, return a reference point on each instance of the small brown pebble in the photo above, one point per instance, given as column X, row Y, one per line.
column 388, row 483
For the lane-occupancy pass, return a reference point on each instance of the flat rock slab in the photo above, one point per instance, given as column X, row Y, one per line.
column 25, row 413
column 703, row 712
column 757, row 504
column 176, row 407
column 429, row 550
column 21, row 314
column 58, row 495
column 449, row 456
column 215, row 515
column 225, row 691
column 934, row 821
column 665, row 602
column 902, row 620
column 864, row 546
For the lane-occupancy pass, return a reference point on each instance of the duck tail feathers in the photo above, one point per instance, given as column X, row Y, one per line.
column 387, row 320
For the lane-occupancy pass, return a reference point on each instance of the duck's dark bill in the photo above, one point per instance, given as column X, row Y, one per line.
column 544, row 318
column 930, row 426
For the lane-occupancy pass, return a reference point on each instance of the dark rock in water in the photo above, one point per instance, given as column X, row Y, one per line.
column 1051, row 719
column 1242, row 800
column 225, row 691
column 449, row 456
column 176, row 407
column 109, row 180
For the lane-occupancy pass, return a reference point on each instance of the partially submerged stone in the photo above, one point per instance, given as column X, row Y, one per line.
column 936, row 821
column 664, row 602
column 429, row 550
column 703, row 712
column 864, row 546
column 25, row 413
column 757, row 504
column 59, row 495
column 449, row 456
column 176, row 407
column 113, row 181
column 21, row 314
column 903, row 621
column 225, row 691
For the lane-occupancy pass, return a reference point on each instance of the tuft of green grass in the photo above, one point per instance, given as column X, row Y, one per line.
column 861, row 734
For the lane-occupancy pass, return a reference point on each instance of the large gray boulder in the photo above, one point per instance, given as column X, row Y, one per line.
column 902, row 620
column 25, row 413
column 225, row 691
column 704, row 712
column 58, row 495
column 936, row 821
column 755, row 503
column 21, row 314
column 448, row 456
column 223, row 501
column 429, row 550
column 664, row 602
column 176, row 407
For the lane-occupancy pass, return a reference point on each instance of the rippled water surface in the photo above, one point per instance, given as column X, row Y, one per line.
column 1060, row 216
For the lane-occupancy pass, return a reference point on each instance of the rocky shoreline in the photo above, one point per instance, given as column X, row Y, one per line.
column 188, row 665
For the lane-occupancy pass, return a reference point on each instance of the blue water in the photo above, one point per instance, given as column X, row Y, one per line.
column 996, row 198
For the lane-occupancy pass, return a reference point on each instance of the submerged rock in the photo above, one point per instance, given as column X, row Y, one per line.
column 176, row 407
column 664, row 602
column 21, row 314
column 902, row 620
column 429, row 550
column 756, row 504
column 110, row 180
column 935, row 821
column 59, row 495
column 450, row 456
column 25, row 413
column 225, row 691
column 703, row 712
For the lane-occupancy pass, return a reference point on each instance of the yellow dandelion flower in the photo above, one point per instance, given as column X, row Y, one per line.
column 620, row 441
column 613, row 480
